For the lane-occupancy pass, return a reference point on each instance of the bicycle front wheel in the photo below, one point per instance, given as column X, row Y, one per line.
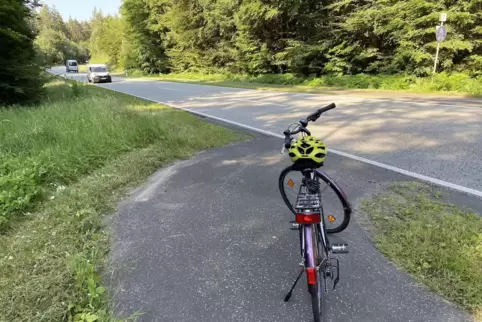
column 336, row 208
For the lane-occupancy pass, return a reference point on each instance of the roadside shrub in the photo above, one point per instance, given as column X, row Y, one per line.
column 277, row 79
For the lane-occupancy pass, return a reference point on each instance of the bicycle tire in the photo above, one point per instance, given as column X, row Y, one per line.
column 311, row 261
column 332, row 184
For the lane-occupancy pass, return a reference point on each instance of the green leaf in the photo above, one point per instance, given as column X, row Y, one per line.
column 100, row 290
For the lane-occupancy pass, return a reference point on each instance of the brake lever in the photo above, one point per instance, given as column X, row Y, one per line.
column 283, row 149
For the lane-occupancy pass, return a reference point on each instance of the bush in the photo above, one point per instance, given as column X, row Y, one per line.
column 277, row 79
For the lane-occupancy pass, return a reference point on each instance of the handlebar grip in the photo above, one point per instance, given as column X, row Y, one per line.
column 327, row 108
column 313, row 117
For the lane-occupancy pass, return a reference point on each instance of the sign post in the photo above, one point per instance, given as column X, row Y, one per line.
column 440, row 35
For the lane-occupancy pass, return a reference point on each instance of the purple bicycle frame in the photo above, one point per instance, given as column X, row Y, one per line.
column 309, row 246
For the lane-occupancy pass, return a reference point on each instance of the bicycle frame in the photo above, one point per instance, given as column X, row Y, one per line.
column 306, row 233
column 307, row 229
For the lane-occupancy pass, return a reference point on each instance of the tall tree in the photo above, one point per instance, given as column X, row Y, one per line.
column 106, row 39
column 78, row 31
column 146, row 32
column 200, row 34
column 50, row 18
column 20, row 78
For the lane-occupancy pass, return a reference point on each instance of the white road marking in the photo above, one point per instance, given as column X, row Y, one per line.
column 169, row 89
column 258, row 102
column 418, row 176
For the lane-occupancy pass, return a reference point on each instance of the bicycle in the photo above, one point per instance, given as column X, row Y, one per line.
column 308, row 154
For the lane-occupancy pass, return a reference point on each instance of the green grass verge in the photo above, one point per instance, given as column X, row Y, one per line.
column 440, row 244
column 65, row 164
column 82, row 68
column 453, row 84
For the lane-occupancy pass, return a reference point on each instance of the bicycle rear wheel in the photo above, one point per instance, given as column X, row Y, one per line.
column 312, row 260
column 336, row 208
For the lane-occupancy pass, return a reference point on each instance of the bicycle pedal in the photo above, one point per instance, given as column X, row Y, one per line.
column 294, row 225
column 339, row 248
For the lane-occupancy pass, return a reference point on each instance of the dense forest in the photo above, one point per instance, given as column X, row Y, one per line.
column 253, row 37
column 303, row 37
column 300, row 36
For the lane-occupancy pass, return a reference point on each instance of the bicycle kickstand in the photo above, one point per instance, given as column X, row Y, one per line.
column 288, row 296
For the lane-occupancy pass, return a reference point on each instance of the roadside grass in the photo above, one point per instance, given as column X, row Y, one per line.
column 456, row 84
column 438, row 243
column 82, row 68
column 76, row 130
column 64, row 165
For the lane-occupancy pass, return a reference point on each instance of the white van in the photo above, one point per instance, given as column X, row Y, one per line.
column 98, row 73
column 71, row 66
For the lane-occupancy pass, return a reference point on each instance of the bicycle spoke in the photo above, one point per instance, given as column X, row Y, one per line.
column 323, row 190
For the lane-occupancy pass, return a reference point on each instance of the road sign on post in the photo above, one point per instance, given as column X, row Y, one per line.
column 440, row 35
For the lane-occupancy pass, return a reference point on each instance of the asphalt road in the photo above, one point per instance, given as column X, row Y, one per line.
column 208, row 240
column 441, row 139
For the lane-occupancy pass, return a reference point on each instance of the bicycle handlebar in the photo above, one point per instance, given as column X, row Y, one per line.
column 313, row 117
column 304, row 123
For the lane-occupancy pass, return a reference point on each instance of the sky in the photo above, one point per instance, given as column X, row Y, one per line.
column 82, row 9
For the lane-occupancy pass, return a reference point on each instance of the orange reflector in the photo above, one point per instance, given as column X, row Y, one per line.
column 331, row 218
column 311, row 275
column 291, row 183
column 308, row 218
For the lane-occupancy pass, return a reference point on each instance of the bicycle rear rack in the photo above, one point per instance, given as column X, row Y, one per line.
column 308, row 202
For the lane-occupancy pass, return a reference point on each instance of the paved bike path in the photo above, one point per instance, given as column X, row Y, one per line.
column 208, row 240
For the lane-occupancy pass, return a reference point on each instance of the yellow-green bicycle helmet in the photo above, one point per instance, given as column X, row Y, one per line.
column 308, row 148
